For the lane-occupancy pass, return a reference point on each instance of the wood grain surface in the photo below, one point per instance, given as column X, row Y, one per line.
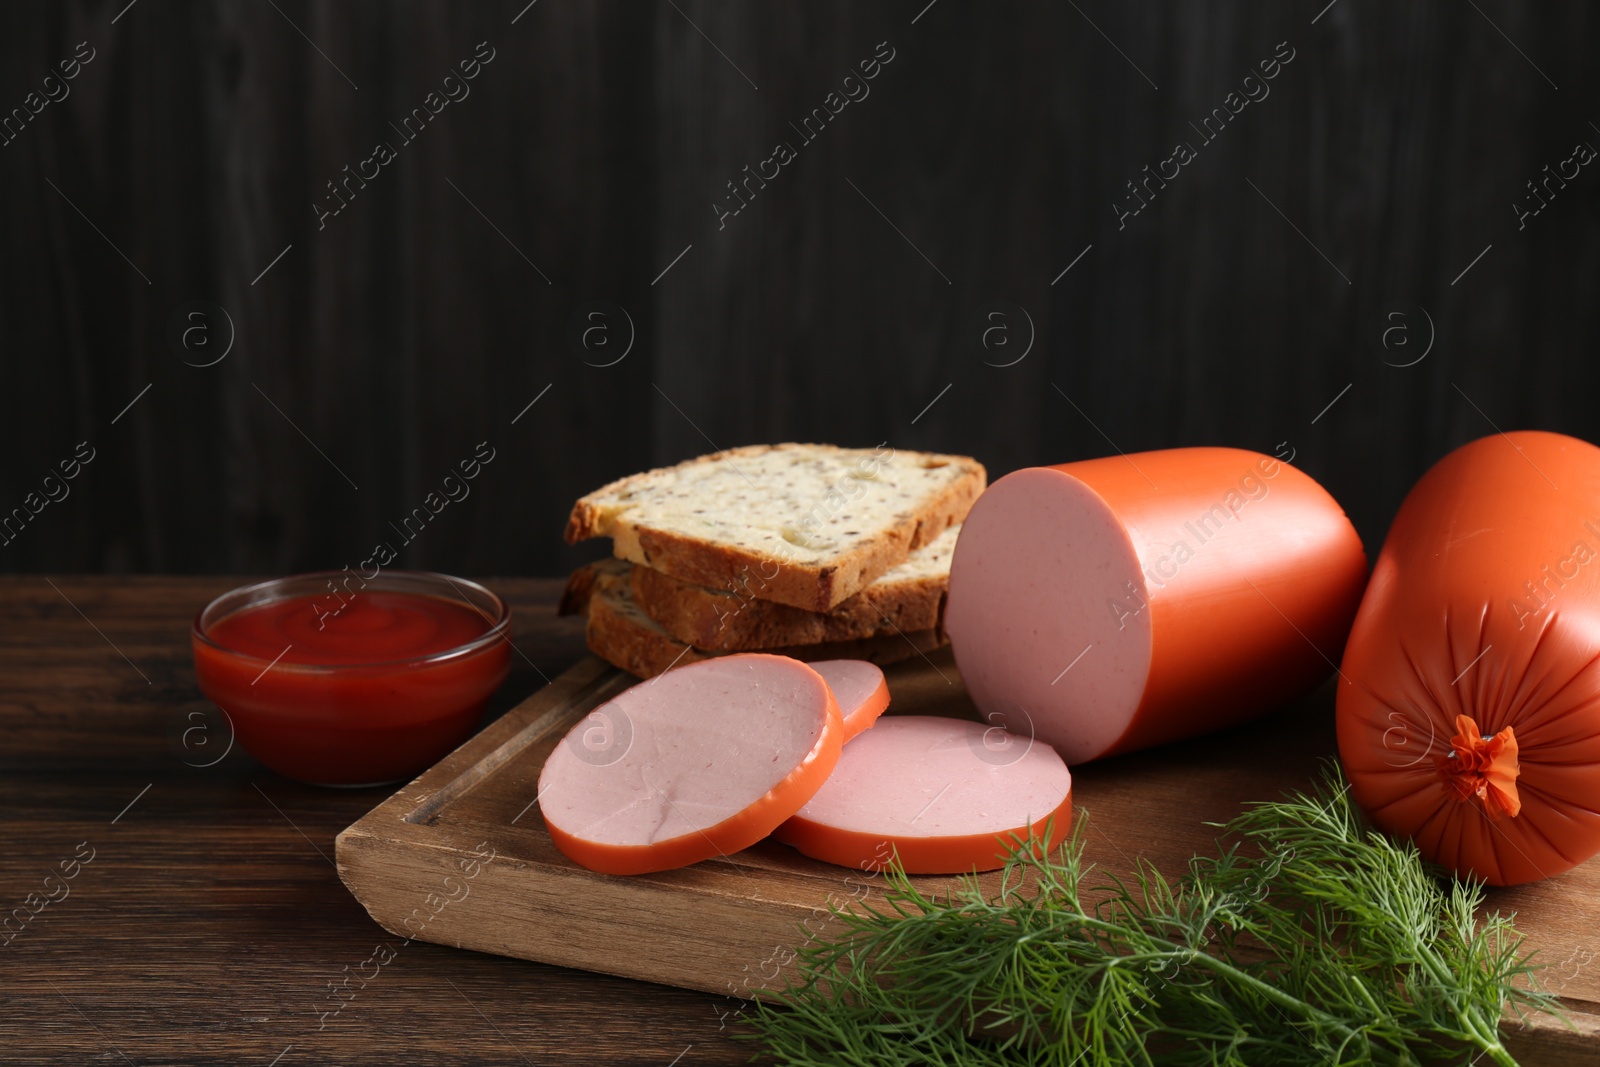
column 731, row 925
column 210, row 927
column 852, row 293
column 210, row 923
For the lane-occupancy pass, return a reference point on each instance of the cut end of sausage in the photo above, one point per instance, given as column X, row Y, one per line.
column 944, row 796
column 1046, row 613
column 701, row 761
column 859, row 687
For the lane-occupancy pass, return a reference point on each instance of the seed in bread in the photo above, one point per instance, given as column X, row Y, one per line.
column 815, row 523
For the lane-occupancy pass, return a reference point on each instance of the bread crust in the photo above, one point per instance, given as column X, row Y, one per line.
column 817, row 587
column 618, row 633
column 730, row 619
column 581, row 584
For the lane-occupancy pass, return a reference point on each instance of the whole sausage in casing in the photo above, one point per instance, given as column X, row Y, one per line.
column 1469, row 702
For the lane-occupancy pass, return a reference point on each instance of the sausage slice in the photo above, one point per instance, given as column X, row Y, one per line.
column 859, row 687
column 945, row 796
column 701, row 761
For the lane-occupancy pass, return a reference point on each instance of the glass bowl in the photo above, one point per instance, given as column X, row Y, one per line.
column 360, row 694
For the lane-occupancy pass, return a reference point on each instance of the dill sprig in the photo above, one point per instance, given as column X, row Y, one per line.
column 1307, row 939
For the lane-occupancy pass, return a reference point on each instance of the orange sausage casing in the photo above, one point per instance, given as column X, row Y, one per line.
column 1112, row 604
column 1469, row 703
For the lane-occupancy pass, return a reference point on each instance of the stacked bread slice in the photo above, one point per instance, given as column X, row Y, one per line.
column 812, row 551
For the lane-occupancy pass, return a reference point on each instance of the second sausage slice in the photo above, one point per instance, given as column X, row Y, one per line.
column 860, row 688
column 936, row 795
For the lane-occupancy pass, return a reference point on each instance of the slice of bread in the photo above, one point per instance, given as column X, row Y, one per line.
column 909, row 597
column 619, row 632
column 814, row 523
column 583, row 583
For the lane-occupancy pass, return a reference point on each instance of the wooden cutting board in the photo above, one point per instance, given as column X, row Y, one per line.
column 461, row 857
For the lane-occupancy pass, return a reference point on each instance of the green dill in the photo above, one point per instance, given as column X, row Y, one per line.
column 1308, row 938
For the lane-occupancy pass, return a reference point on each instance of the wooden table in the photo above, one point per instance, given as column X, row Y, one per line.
column 210, row 923
column 209, row 927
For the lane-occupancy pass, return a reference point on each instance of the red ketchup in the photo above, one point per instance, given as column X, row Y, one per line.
column 371, row 686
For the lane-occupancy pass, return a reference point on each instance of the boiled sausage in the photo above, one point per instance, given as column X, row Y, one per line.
column 941, row 796
column 1115, row 603
column 701, row 761
column 1469, row 701
column 859, row 687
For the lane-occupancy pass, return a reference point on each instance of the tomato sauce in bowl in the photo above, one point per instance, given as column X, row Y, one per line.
column 335, row 680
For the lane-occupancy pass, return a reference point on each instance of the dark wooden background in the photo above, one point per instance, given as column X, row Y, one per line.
column 377, row 352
